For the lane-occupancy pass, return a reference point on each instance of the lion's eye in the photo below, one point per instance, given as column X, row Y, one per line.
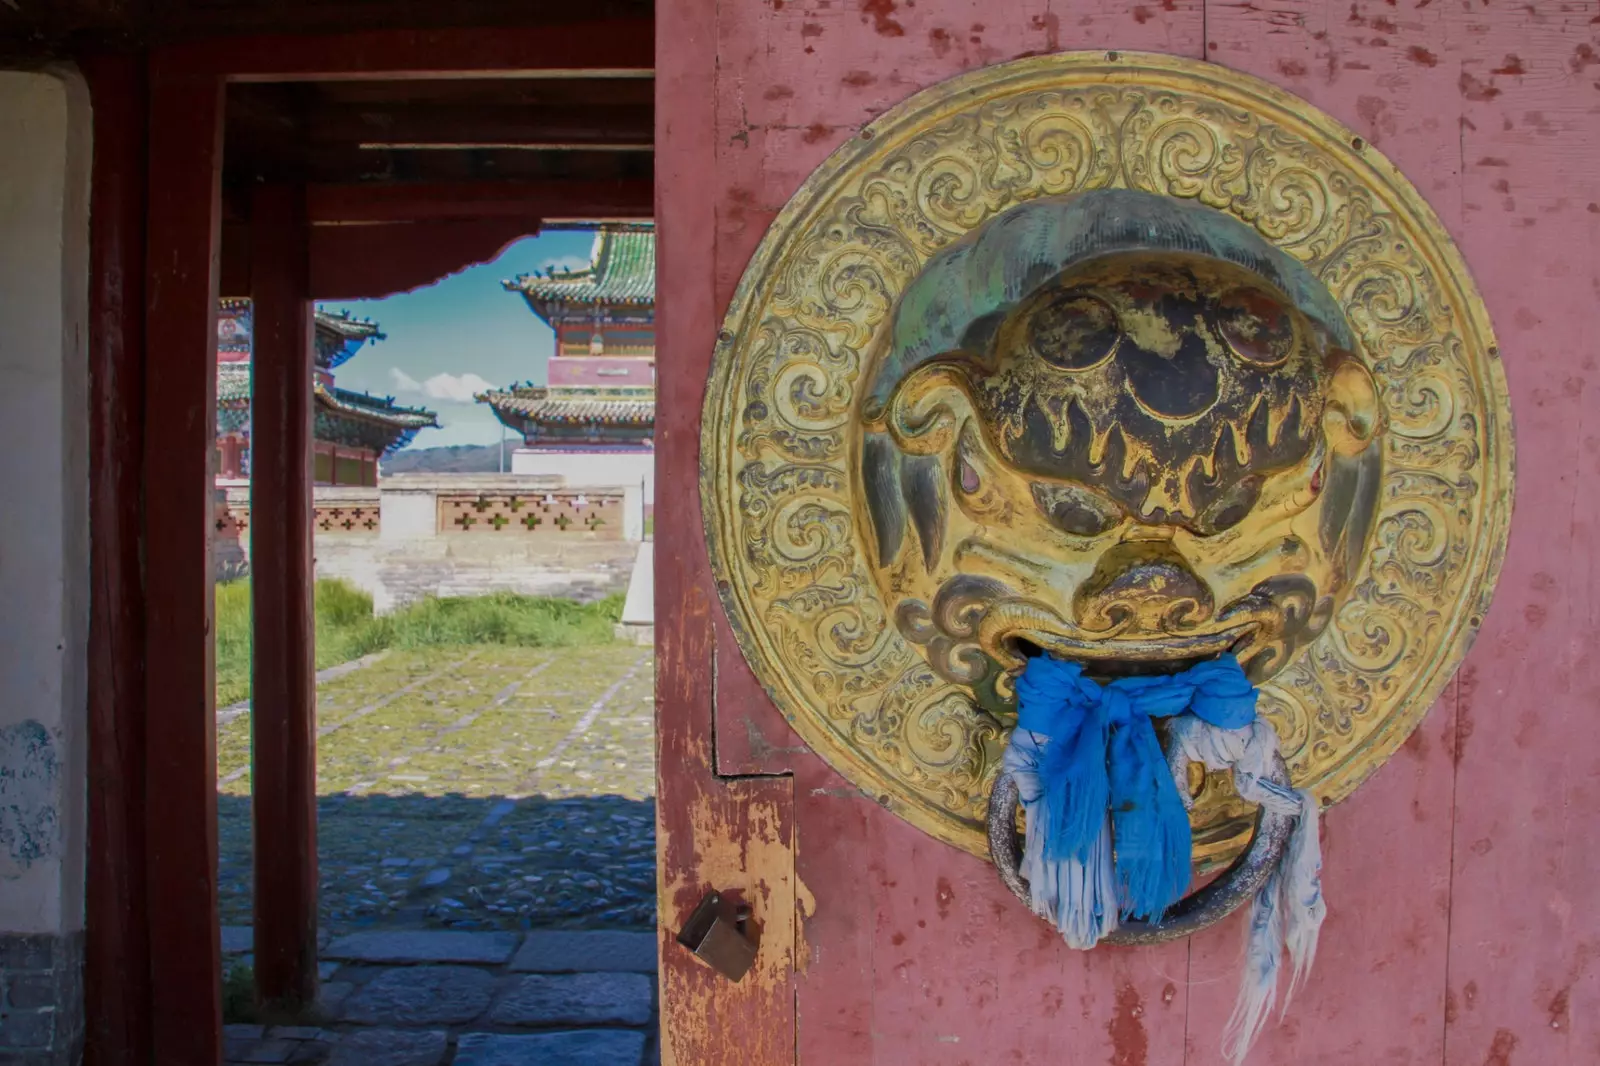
column 1073, row 510
column 1074, row 331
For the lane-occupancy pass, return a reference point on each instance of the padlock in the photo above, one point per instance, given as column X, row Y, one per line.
column 719, row 933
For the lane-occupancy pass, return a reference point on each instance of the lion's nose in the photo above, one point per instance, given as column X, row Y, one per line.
column 1142, row 587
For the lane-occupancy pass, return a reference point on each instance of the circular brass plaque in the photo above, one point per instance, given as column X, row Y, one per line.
column 785, row 507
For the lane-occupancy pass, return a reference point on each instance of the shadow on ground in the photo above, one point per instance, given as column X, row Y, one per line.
column 465, row 862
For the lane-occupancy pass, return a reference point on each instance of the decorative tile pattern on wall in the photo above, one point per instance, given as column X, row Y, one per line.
column 598, row 516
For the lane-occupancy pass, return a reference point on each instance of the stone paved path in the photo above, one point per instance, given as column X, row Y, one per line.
column 430, row 998
column 472, row 789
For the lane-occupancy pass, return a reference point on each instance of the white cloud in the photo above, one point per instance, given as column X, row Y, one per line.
column 456, row 388
column 451, row 388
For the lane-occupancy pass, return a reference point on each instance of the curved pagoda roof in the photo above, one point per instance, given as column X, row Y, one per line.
column 372, row 421
column 518, row 406
column 339, row 337
column 621, row 273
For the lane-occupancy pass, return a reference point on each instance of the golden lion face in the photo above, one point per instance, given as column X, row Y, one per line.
column 1151, row 459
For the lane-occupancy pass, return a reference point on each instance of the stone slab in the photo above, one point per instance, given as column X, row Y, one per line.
column 390, row 1047
column 237, row 939
column 572, row 951
column 575, row 999
column 421, row 996
column 598, row 1047
column 401, row 947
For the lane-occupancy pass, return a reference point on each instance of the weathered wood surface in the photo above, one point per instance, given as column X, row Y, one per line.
column 1459, row 876
column 117, row 944
column 185, row 150
column 283, row 720
column 733, row 836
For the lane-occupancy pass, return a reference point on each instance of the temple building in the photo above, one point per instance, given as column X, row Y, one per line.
column 594, row 420
column 352, row 430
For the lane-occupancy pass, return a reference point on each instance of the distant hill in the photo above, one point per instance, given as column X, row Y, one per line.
column 455, row 459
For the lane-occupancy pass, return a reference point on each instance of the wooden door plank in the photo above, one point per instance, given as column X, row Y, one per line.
column 734, row 836
column 283, row 779
column 1524, row 933
column 116, row 971
column 185, row 149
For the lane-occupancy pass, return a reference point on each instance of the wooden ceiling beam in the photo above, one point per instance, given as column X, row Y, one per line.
column 611, row 48
column 370, row 204
column 423, row 125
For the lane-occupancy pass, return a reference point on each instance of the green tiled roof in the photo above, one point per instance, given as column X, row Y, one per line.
column 628, row 407
column 233, row 392
column 342, row 325
column 378, row 409
column 621, row 270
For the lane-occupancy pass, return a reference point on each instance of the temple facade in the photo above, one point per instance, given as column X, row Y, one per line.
column 352, row 430
column 593, row 422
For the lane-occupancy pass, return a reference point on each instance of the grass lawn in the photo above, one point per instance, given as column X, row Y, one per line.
column 348, row 629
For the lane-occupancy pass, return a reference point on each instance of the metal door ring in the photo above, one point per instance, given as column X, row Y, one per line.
column 1196, row 911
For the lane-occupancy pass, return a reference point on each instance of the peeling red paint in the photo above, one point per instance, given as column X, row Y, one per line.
column 939, row 40
column 1421, row 56
column 858, row 79
column 1130, row 1044
column 810, row 30
column 1510, row 66
column 1583, row 57
column 1560, row 1007
column 814, row 133
column 881, row 13
column 1475, row 90
column 944, row 894
column 1505, row 1042
column 777, row 92
column 1141, row 14
column 1291, row 68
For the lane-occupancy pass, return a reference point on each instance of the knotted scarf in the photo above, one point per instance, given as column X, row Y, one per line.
column 1108, row 829
column 1100, row 753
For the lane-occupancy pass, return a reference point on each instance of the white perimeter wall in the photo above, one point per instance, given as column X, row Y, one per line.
column 593, row 468
column 44, row 499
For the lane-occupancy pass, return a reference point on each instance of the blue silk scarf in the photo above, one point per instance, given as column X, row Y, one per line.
column 1096, row 755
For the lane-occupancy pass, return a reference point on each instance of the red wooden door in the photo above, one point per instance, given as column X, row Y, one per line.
column 1459, row 877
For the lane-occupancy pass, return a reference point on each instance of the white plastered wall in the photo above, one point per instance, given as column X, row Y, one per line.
column 584, row 469
column 44, row 498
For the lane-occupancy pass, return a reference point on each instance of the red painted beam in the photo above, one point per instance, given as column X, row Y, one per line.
column 116, row 972
column 475, row 200
column 185, row 154
column 371, row 262
column 613, row 47
column 283, row 683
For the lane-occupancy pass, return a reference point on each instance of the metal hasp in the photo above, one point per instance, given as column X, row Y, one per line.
column 718, row 932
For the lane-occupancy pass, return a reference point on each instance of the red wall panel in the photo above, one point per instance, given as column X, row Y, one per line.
column 1460, row 878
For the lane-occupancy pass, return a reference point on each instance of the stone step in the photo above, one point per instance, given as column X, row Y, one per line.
column 595, row 1047
column 578, row 951
column 417, row 946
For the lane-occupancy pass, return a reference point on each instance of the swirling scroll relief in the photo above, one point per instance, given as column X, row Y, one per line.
column 781, row 437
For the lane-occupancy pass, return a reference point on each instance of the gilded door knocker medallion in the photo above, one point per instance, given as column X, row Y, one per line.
column 1138, row 399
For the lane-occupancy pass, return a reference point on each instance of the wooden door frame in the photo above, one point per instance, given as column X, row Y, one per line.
column 155, row 797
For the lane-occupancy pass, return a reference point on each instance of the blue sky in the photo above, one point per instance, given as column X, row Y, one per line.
column 460, row 336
